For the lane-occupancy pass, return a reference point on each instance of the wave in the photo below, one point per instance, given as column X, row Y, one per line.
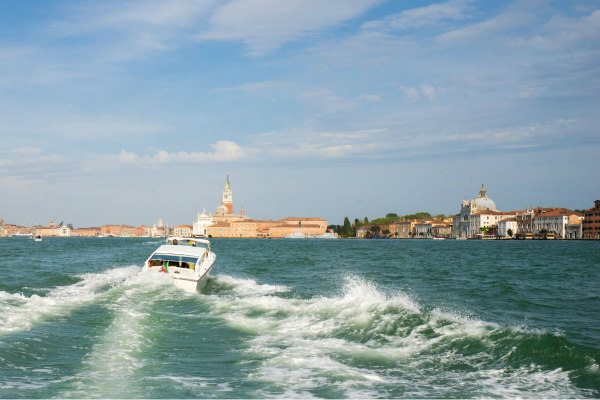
column 116, row 357
column 19, row 312
column 366, row 343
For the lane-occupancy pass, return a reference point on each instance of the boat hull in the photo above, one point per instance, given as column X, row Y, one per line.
column 191, row 285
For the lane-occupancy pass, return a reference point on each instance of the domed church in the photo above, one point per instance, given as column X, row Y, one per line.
column 464, row 224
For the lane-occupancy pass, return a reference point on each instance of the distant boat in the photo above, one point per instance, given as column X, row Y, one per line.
column 296, row 235
column 327, row 235
column 37, row 238
column 438, row 238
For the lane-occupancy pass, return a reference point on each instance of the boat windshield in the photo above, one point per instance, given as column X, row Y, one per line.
column 159, row 260
column 182, row 242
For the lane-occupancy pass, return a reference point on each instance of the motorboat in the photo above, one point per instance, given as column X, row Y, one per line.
column 187, row 260
column 296, row 235
column 37, row 238
column 327, row 235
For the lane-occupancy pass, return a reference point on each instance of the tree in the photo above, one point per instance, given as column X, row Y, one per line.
column 366, row 221
column 510, row 232
column 357, row 223
column 386, row 232
column 391, row 215
column 375, row 229
column 347, row 227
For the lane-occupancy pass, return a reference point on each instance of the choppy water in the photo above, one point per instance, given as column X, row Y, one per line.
column 302, row 318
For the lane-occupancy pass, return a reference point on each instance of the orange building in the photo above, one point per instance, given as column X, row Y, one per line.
column 88, row 232
column 591, row 222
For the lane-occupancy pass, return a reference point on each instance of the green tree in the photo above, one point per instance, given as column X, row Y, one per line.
column 366, row 221
column 386, row 232
column 357, row 223
column 391, row 215
column 347, row 227
column 375, row 229
column 510, row 232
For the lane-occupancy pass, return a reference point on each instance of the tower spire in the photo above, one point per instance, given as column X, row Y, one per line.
column 227, row 197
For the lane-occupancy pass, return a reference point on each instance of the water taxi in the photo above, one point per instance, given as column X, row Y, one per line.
column 187, row 260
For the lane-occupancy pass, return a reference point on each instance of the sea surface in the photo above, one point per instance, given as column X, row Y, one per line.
column 302, row 318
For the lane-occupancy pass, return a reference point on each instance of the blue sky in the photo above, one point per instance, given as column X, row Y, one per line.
column 127, row 111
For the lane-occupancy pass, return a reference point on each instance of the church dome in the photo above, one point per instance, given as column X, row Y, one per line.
column 483, row 202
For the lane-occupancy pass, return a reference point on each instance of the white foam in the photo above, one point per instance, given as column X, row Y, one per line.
column 115, row 357
column 249, row 287
column 305, row 344
column 19, row 312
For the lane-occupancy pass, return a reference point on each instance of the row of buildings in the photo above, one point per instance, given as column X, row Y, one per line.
column 224, row 223
column 480, row 219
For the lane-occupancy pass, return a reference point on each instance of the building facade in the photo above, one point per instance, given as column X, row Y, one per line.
column 591, row 222
column 555, row 221
column 508, row 227
column 183, row 230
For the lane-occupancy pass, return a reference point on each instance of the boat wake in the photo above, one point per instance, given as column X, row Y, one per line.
column 365, row 343
column 19, row 312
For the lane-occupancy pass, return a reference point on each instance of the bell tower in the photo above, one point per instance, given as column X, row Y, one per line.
column 227, row 198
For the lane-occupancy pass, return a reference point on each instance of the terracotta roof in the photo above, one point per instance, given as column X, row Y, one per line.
column 302, row 219
column 297, row 226
column 557, row 212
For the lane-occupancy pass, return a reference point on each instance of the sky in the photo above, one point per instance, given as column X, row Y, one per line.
column 123, row 112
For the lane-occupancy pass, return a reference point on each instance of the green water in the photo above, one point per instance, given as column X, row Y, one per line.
column 302, row 318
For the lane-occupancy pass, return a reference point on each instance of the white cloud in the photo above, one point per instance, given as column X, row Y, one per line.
column 453, row 10
column 248, row 87
column 327, row 100
column 78, row 127
column 306, row 144
column 223, row 150
column 133, row 15
column 512, row 18
column 426, row 91
column 263, row 25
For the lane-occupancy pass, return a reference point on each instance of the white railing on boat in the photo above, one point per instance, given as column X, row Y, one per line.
column 181, row 240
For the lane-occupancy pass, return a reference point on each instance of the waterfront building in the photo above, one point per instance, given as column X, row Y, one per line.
column 111, row 230
column 132, row 231
column 183, row 230
column 160, row 229
column 45, row 230
column 555, row 221
column 63, row 231
column 423, row 230
column 475, row 214
column 250, row 228
column 506, row 225
column 296, row 225
column 441, row 229
column 226, row 223
column 87, row 232
column 201, row 224
column 575, row 231
column 591, row 222
column 362, row 232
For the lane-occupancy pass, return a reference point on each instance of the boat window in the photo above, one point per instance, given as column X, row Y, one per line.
column 165, row 257
column 158, row 260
